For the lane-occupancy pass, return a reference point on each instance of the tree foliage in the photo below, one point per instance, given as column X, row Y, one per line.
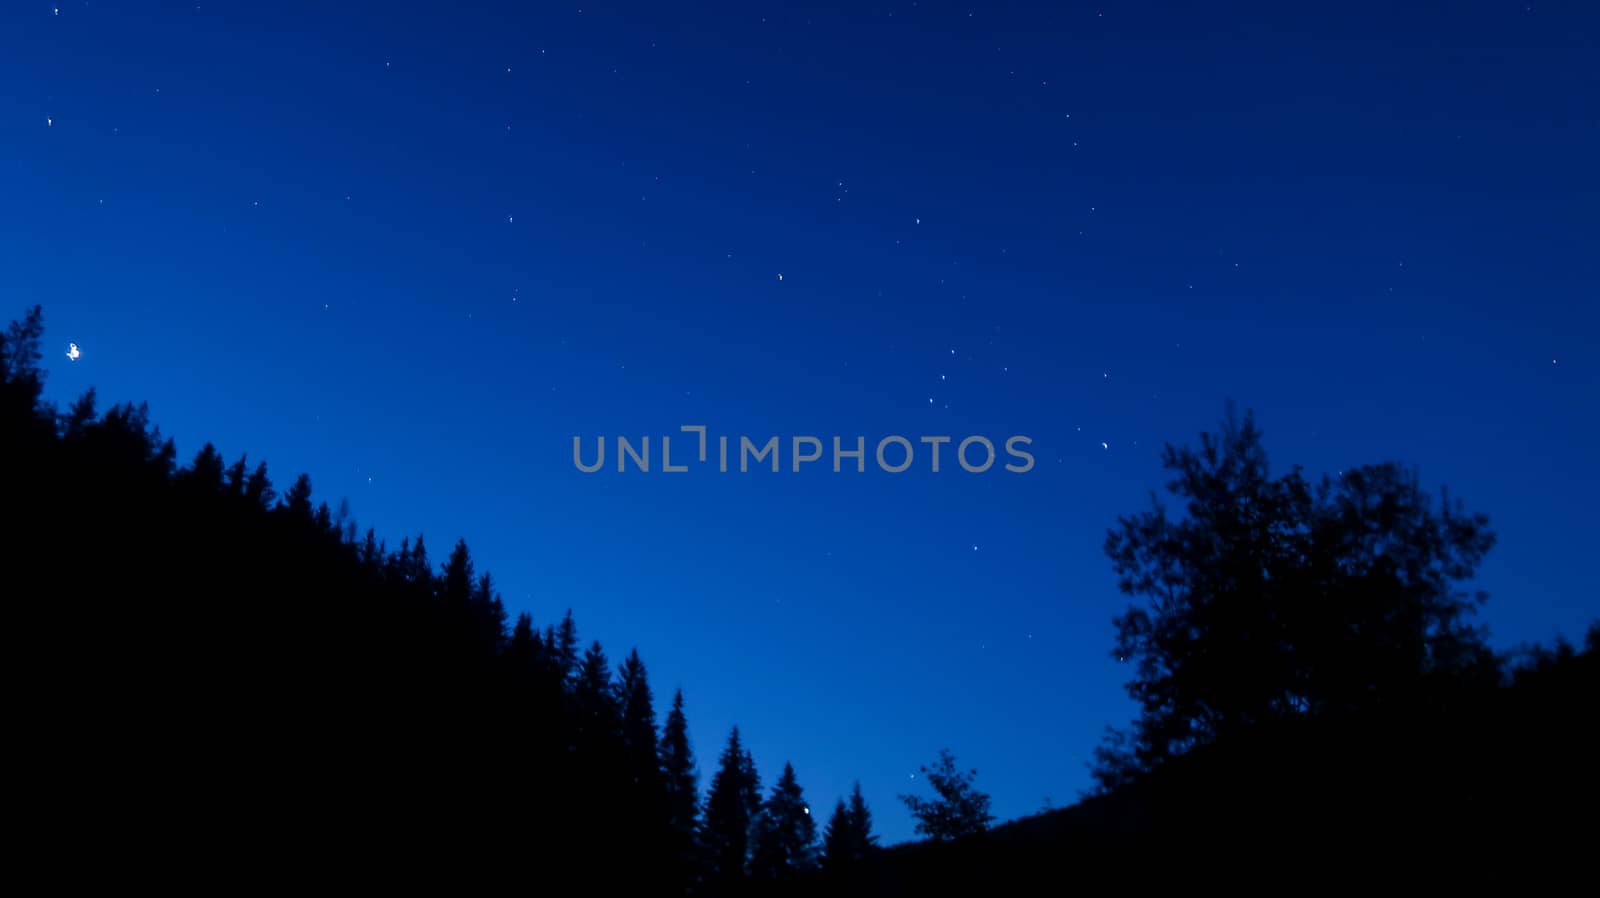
column 957, row 808
column 1267, row 597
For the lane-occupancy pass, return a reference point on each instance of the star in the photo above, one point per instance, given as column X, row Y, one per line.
column 780, row 275
column 72, row 351
column 1105, row 445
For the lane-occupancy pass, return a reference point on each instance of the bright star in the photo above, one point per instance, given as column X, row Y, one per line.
column 72, row 351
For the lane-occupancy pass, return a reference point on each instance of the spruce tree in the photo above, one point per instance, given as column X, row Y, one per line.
column 639, row 724
column 488, row 615
column 564, row 646
column 456, row 580
column 370, row 553
column 298, row 501
column 849, row 837
column 595, row 702
column 522, row 654
column 205, row 472
column 258, row 488
column 237, row 476
column 677, row 766
column 731, row 806
column 785, row 833
column 417, row 572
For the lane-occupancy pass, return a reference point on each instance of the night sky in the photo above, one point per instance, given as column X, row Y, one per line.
column 414, row 249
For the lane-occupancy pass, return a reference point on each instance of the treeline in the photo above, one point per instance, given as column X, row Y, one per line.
column 212, row 669
column 211, row 675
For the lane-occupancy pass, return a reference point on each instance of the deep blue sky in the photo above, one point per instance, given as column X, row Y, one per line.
column 414, row 249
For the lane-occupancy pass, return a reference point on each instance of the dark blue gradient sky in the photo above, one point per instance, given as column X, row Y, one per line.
column 414, row 249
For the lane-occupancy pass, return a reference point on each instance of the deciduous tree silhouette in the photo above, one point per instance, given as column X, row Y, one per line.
column 1270, row 597
column 957, row 809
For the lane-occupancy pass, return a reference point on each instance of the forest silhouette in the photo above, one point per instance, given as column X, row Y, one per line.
column 213, row 675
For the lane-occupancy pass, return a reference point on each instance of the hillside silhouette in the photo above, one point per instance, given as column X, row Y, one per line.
column 215, row 672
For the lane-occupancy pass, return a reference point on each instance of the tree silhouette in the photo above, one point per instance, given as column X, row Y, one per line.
column 252, row 662
column 957, row 808
column 1272, row 598
column 731, row 807
column 681, row 784
column 204, row 474
column 455, row 581
column 298, row 502
column 848, row 838
column 642, row 763
column 599, row 718
column 785, row 835
column 23, row 382
column 258, row 489
column 563, row 642
column 75, row 424
column 677, row 765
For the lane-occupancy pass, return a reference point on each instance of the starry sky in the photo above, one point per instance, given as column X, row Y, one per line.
column 414, row 249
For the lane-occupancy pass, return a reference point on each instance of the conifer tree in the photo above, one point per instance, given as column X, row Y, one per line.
column 258, row 488
column 76, row 422
column 298, row 501
column 785, row 833
column 205, row 472
column 731, row 806
column 849, row 837
column 417, row 573
column 237, row 476
column 563, row 644
column 522, row 652
column 489, row 614
column 370, row 553
column 677, row 766
column 594, row 700
column 639, row 724
column 456, row 579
